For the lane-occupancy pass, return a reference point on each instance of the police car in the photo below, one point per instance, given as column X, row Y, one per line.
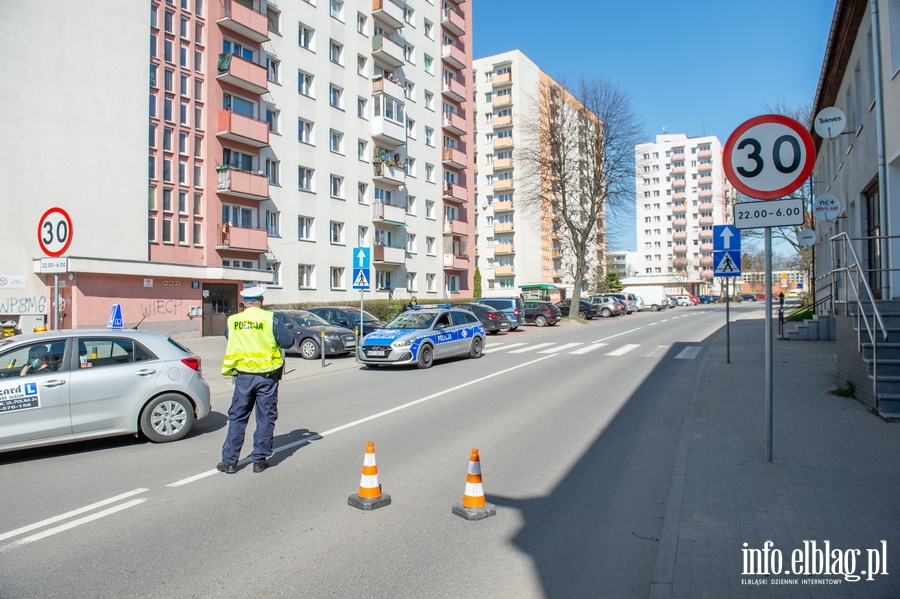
column 422, row 335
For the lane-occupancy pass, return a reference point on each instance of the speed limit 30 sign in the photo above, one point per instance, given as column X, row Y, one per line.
column 55, row 232
column 769, row 156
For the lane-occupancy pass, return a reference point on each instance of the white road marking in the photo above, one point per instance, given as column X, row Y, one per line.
column 653, row 324
column 623, row 350
column 564, row 347
column 656, row 351
column 664, row 320
column 531, row 348
column 617, row 334
column 588, row 348
column 81, row 510
column 73, row 524
column 688, row 353
column 491, row 348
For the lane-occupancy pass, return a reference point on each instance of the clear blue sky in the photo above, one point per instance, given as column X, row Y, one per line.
column 699, row 67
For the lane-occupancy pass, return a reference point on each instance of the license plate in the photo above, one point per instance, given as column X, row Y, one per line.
column 376, row 352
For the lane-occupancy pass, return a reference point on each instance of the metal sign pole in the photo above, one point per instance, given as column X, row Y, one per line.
column 727, row 322
column 56, row 301
column 769, row 360
column 360, row 325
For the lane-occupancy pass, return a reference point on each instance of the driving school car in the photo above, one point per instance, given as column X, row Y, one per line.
column 422, row 335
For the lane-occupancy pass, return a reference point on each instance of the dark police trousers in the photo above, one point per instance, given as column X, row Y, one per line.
column 250, row 390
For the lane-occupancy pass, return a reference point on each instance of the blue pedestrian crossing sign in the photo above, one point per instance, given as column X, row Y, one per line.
column 726, row 237
column 115, row 317
column 727, row 264
column 360, row 278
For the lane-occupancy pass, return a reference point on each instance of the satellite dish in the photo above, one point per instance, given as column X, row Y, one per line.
column 830, row 122
column 806, row 238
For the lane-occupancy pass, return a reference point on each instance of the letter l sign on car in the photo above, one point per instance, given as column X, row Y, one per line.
column 726, row 237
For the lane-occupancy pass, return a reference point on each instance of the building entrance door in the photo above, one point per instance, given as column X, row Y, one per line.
column 219, row 302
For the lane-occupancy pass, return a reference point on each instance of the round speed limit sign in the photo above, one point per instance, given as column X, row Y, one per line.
column 769, row 156
column 55, row 232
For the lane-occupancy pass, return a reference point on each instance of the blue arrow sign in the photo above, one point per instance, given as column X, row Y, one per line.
column 361, row 258
column 727, row 264
column 115, row 317
column 360, row 278
column 726, row 237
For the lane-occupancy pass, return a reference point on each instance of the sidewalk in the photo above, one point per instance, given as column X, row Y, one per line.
column 835, row 477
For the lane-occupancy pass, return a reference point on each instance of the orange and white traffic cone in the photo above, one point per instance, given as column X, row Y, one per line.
column 370, row 496
column 473, row 506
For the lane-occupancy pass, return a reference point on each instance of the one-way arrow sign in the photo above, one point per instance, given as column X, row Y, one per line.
column 726, row 237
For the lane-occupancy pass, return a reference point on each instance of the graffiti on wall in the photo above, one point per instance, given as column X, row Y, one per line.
column 161, row 307
column 23, row 305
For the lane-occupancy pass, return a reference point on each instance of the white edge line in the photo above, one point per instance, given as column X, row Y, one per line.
column 72, row 524
column 617, row 334
column 87, row 508
column 191, row 479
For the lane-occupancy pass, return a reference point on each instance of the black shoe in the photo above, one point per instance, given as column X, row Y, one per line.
column 260, row 467
column 227, row 468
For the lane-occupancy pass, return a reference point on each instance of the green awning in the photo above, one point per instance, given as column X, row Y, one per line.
column 539, row 286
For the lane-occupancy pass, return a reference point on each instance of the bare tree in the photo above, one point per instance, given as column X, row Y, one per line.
column 578, row 158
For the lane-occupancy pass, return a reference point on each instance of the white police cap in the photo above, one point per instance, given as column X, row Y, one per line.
column 252, row 293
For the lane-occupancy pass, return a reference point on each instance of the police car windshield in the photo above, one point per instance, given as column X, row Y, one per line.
column 413, row 320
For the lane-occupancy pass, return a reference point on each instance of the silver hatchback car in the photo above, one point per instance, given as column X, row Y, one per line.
column 63, row 386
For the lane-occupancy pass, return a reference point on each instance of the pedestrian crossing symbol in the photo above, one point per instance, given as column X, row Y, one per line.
column 727, row 264
column 360, row 278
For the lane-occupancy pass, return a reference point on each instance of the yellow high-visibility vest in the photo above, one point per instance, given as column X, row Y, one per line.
column 251, row 343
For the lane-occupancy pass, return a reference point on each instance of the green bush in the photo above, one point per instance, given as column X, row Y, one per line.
column 847, row 390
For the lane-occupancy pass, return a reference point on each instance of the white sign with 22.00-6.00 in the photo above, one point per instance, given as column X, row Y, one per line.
column 774, row 213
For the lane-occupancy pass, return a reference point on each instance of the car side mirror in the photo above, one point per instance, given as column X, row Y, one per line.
column 344, row 323
column 441, row 325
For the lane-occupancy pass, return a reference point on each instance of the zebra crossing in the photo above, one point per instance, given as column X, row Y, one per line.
column 580, row 349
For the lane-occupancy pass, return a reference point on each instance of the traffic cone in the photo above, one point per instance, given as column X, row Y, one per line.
column 370, row 496
column 473, row 506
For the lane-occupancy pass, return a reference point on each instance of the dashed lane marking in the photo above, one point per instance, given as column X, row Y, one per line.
column 623, row 350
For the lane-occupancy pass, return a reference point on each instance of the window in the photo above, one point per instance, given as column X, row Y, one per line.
column 361, row 108
column 167, row 170
column 153, row 103
column 272, row 16
column 336, row 141
column 167, row 200
column 336, row 96
column 169, row 21
column 337, row 186
column 304, row 132
column 337, row 233
column 198, row 33
column 429, row 209
column 305, row 178
column 429, row 29
column 361, row 23
column 185, row 86
column 272, row 171
column 182, row 142
column 305, row 84
column 183, row 113
column 383, row 279
column 198, row 180
column 429, row 172
column 409, row 54
column 411, row 243
column 182, row 232
column 151, row 229
column 429, row 282
column 198, row 203
column 306, row 276
column 429, row 246
column 167, row 230
column 451, row 283
column 152, row 135
column 238, row 160
column 182, row 172
column 336, row 9
column 429, row 100
column 362, row 150
column 167, row 109
column 409, row 15
column 361, row 62
column 272, row 67
column 390, row 108
column 429, row 136
column 183, row 56
column 411, row 128
column 411, row 282
column 363, row 193
column 305, row 228
column 307, row 35
column 429, row 64
column 336, row 52
column 337, row 277
column 272, row 228
column 272, row 119
column 153, row 71
column 153, row 45
column 409, row 90
column 362, row 236
column 410, row 166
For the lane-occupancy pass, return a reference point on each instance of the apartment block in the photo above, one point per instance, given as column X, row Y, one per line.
column 518, row 249
column 681, row 193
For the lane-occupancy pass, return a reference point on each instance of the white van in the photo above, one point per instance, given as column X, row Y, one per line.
column 794, row 293
column 654, row 296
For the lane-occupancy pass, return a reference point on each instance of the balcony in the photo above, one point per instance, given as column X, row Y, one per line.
column 244, row 239
column 679, row 222
column 558, row 273
column 504, row 185
column 387, row 12
column 387, row 51
column 704, row 206
column 680, row 249
column 704, row 154
column 387, row 132
column 504, row 248
column 680, row 236
column 556, row 251
column 388, row 213
column 501, row 100
column 243, row 184
column 506, row 206
column 676, row 157
column 502, row 163
column 385, row 86
column 678, row 196
column 678, row 170
column 679, row 262
column 456, row 261
column 679, row 209
column 503, row 227
column 706, row 234
column 454, row 193
column 704, row 167
column 706, row 220
column 503, row 142
column 453, row 158
column 707, row 274
column 453, row 123
column 236, row 71
column 243, row 129
column 706, row 247
column 502, row 121
column 679, row 183
column 500, row 271
column 705, row 180
column 245, row 22
column 501, row 79
column 389, row 175
column 385, row 254
column 706, row 260
column 453, row 226
column 453, row 22
column 454, row 89
column 705, row 194
column 454, row 56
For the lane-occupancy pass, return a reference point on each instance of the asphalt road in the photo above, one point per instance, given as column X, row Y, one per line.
column 576, row 438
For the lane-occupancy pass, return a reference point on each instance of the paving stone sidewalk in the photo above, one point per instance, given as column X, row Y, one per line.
column 835, row 476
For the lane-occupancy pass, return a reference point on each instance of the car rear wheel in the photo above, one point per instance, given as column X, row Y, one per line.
column 493, row 332
column 605, row 312
column 654, row 308
column 540, row 320
column 475, row 351
column 513, row 328
column 309, row 349
column 581, row 314
column 426, row 356
column 168, row 417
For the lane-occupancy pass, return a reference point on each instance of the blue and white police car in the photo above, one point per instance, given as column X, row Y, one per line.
column 422, row 335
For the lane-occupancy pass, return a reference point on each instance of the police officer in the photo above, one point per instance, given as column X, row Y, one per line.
column 254, row 357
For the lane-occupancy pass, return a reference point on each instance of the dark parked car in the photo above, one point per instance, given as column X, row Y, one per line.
column 586, row 311
column 707, row 299
column 513, row 306
column 307, row 329
column 494, row 320
column 749, row 297
column 541, row 313
column 348, row 317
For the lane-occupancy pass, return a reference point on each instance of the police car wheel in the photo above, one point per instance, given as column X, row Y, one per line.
column 426, row 356
column 168, row 417
column 309, row 349
column 475, row 351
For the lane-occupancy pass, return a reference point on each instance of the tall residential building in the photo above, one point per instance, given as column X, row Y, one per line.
column 622, row 263
column 374, row 94
column 519, row 249
column 681, row 193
